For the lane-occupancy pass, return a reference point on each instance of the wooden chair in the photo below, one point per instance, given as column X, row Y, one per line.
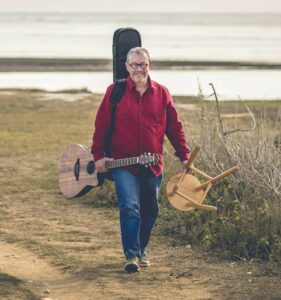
column 185, row 192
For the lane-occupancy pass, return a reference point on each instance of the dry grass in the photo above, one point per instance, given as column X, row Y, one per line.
column 248, row 223
column 80, row 237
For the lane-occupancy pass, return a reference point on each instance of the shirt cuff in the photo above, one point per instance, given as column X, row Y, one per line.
column 183, row 156
column 98, row 156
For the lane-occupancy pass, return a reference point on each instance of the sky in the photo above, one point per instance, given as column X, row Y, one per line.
column 240, row 6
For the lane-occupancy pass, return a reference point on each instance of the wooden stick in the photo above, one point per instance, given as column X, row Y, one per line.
column 201, row 173
column 217, row 178
column 198, row 205
column 224, row 174
column 206, row 192
column 192, row 156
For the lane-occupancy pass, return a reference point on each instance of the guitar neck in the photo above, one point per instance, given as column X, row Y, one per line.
column 122, row 162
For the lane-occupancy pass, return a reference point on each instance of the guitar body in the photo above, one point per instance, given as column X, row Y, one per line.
column 77, row 174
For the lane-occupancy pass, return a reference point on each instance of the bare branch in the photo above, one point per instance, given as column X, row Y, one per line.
column 218, row 108
column 254, row 124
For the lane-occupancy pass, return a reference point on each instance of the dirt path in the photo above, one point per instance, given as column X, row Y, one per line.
column 52, row 247
column 69, row 249
column 48, row 282
column 24, row 264
column 103, row 278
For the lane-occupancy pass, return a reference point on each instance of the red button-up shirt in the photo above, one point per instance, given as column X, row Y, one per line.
column 141, row 123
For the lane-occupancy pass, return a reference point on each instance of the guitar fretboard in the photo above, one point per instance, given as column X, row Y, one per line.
column 122, row 162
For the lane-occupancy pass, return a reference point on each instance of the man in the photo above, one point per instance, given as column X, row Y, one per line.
column 143, row 116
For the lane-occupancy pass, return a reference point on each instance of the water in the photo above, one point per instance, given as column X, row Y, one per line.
column 231, row 37
column 249, row 85
column 195, row 37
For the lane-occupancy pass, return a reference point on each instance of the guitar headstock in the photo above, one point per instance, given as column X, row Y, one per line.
column 148, row 159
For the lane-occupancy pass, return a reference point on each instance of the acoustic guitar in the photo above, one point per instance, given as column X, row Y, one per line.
column 77, row 172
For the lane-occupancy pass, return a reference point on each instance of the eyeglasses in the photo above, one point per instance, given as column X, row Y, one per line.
column 142, row 65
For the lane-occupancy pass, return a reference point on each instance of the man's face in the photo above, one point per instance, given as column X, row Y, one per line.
column 138, row 68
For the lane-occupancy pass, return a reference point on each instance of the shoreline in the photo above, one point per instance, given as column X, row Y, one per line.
column 32, row 64
column 71, row 95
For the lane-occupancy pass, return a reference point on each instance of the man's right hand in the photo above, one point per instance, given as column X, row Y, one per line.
column 100, row 164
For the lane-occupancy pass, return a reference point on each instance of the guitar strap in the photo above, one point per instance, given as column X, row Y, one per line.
column 116, row 95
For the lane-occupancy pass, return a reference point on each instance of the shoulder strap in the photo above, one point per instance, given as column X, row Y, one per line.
column 115, row 97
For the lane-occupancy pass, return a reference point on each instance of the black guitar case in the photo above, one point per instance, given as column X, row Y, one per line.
column 124, row 39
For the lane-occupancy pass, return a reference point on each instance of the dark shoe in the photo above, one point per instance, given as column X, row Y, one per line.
column 132, row 265
column 144, row 261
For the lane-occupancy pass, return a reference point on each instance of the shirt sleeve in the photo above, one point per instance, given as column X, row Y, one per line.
column 102, row 124
column 174, row 130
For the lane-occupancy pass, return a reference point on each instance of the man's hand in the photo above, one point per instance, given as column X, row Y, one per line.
column 100, row 164
column 185, row 167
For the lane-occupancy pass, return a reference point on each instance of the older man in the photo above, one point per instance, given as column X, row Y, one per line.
column 143, row 116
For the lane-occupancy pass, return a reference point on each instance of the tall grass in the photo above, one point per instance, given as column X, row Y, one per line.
column 247, row 223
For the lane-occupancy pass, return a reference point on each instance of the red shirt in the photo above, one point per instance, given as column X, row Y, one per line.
column 141, row 123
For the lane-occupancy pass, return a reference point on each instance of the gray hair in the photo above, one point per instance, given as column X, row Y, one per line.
column 138, row 51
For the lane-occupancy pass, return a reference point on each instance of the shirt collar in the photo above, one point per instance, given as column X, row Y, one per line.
column 131, row 84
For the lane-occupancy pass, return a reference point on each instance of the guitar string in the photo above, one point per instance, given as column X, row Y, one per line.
column 87, row 161
column 71, row 166
column 112, row 161
column 118, row 159
column 71, row 169
column 130, row 161
column 68, row 167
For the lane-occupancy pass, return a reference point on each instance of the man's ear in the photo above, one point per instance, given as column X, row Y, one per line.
column 127, row 66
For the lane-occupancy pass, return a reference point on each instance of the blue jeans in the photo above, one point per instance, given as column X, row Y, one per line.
column 138, row 207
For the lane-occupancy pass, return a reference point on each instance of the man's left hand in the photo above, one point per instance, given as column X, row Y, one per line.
column 185, row 167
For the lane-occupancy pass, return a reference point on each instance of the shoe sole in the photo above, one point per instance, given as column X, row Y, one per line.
column 144, row 265
column 132, row 268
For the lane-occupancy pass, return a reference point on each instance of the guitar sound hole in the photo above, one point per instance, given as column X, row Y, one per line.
column 91, row 167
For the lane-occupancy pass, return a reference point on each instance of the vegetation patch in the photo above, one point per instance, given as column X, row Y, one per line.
column 247, row 224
